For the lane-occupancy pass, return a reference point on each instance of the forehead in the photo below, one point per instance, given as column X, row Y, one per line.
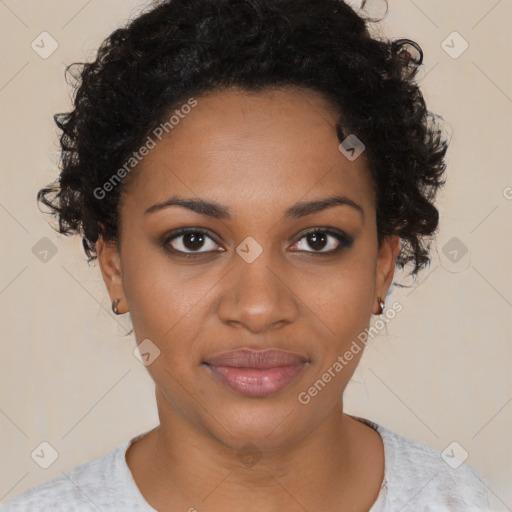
column 250, row 149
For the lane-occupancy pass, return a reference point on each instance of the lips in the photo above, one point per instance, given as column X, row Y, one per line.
column 262, row 359
column 255, row 373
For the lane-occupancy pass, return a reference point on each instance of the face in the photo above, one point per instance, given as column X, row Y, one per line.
column 257, row 268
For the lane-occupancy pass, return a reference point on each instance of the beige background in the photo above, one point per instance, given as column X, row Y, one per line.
column 440, row 372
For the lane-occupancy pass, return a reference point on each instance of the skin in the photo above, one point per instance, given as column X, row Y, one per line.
column 258, row 154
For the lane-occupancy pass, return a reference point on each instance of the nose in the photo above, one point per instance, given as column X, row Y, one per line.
column 258, row 296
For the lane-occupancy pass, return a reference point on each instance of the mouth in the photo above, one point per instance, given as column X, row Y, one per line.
column 255, row 373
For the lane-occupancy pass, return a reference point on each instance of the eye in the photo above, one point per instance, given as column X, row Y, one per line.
column 189, row 241
column 320, row 239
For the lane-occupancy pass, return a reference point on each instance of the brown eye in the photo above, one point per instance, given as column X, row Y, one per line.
column 320, row 239
column 191, row 241
column 317, row 240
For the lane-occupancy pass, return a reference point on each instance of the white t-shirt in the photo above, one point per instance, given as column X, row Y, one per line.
column 416, row 479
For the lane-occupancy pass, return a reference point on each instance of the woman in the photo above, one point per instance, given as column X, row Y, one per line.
column 249, row 173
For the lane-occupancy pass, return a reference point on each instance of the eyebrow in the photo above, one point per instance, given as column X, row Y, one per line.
column 219, row 211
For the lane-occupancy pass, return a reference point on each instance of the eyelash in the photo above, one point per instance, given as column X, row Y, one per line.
column 345, row 241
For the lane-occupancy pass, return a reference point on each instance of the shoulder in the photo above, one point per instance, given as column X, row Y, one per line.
column 420, row 478
column 89, row 486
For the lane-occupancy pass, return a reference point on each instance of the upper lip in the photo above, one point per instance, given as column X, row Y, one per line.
column 262, row 359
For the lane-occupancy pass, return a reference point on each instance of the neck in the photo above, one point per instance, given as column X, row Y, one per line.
column 181, row 467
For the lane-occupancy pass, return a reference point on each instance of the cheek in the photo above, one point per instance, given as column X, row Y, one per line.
column 171, row 306
column 158, row 296
column 165, row 311
column 340, row 300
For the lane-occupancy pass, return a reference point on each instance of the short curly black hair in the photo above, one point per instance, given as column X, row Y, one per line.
column 179, row 49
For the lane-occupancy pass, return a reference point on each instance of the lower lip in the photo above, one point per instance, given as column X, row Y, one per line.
column 255, row 382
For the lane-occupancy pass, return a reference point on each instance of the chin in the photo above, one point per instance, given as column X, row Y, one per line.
column 267, row 426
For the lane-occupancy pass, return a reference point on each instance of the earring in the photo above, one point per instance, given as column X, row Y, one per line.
column 114, row 306
column 381, row 304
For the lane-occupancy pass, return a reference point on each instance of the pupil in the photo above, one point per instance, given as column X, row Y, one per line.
column 315, row 237
column 196, row 240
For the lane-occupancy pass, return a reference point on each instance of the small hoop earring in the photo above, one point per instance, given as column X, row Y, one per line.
column 114, row 306
column 382, row 305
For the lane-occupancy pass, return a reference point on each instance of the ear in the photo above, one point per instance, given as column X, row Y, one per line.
column 110, row 265
column 385, row 269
